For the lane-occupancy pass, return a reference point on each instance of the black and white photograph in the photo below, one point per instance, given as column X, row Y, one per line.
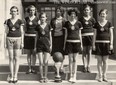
column 57, row 42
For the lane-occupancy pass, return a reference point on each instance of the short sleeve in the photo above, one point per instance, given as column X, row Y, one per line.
column 50, row 28
column 110, row 25
column 22, row 22
column 95, row 26
column 65, row 24
column 51, row 23
column 80, row 19
column 5, row 23
column 94, row 21
column 37, row 27
column 80, row 25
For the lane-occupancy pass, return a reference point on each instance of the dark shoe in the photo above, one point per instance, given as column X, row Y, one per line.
column 29, row 71
column 41, row 80
column 88, row 70
column 100, row 79
column 45, row 80
column 72, row 80
column 84, row 69
column 15, row 80
column 33, row 71
column 9, row 79
column 105, row 79
column 58, row 79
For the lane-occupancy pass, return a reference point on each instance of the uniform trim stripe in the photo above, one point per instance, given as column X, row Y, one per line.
column 102, row 41
column 30, row 34
column 13, row 37
column 73, row 40
column 87, row 34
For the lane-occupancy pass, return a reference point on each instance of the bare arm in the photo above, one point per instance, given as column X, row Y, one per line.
column 65, row 37
column 111, row 38
column 51, row 40
column 94, row 38
column 81, row 39
column 22, row 36
column 5, row 34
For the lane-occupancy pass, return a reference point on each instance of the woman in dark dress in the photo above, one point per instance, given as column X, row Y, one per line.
column 73, row 42
column 103, row 43
column 87, row 37
column 31, row 23
column 58, row 33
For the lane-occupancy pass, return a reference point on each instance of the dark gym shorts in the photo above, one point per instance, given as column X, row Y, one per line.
column 57, row 44
column 29, row 42
column 102, row 49
column 72, row 47
column 43, row 45
column 87, row 40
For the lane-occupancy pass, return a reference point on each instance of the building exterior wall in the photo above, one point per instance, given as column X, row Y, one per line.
column 2, row 18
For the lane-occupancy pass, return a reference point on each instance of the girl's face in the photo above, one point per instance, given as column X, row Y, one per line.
column 58, row 12
column 32, row 11
column 13, row 12
column 43, row 18
column 87, row 11
column 103, row 15
column 73, row 15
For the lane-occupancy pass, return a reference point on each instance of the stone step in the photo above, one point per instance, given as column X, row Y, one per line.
column 51, row 82
column 51, row 68
column 35, row 77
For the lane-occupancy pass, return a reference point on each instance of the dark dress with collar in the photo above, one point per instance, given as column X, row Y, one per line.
column 103, row 34
column 30, row 33
column 57, row 41
column 43, row 40
column 73, row 34
column 87, row 28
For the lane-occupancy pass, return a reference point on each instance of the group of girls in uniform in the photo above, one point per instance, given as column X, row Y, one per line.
column 60, row 35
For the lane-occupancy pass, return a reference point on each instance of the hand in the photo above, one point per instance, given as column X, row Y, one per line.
column 111, row 47
column 94, row 47
column 34, row 50
column 82, row 47
column 51, row 48
column 64, row 48
column 22, row 45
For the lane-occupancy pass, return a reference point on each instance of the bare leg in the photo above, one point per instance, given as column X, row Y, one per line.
column 84, row 59
column 99, row 66
column 70, row 65
column 88, row 58
column 105, row 67
column 17, row 54
column 33, row 61
column 33, row 58
column 29, row 60
column 11, row 61
column 45, row 60
column 75, row 65
column 40, row 56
